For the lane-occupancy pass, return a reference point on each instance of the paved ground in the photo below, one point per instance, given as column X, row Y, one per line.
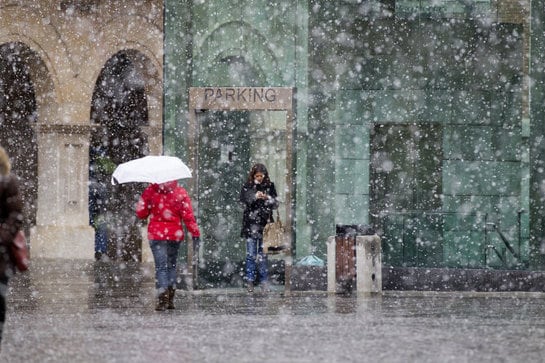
column 74, row 311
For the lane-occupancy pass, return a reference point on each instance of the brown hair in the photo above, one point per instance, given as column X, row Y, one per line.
column 259, row 168
column 5, row 166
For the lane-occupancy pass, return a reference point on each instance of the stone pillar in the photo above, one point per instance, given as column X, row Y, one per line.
column 368, row 264
column 62, row 219
column 331, row 271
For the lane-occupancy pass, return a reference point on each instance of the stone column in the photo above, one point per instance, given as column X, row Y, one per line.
column 62, row 219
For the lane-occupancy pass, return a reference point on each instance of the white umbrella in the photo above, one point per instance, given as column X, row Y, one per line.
column 151, row 169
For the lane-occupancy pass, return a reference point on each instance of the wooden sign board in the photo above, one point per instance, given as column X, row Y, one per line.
column 240, row 98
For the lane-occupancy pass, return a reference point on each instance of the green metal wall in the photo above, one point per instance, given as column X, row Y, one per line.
column 356, row 66
column 241, row 43
column 464, row 74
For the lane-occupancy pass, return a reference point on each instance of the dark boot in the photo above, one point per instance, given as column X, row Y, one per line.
column 162, row 301
column 171, row 292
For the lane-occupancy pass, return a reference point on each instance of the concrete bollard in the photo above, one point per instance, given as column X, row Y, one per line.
column 368, row 264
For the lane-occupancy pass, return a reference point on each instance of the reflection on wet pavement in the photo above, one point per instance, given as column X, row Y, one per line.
column 75, row 311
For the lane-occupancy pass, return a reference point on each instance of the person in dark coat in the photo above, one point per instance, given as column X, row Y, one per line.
column 258, row 195
column 98, row 199
column 11, row 221
column 167, row 205
column 97, row 217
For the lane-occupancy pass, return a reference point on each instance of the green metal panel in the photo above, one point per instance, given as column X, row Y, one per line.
column 463, row 249
column 256, row 30
column 468, row 142
column 471, row 107
column 507, row 143
column 437, row 107
column 399, row 106
column 352, row 209
column 366, row 70
column 352, row 142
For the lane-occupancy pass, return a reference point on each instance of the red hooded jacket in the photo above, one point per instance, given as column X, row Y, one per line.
column 168, row 204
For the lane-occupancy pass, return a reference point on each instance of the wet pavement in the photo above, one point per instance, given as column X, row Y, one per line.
column 76, row 311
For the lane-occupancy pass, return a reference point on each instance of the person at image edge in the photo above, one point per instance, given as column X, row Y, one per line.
column 11, row 221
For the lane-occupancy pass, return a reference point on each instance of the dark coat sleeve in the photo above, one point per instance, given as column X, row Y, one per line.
column 247, row 195
column 256, row 211
column 11, row 219
column 272, row 203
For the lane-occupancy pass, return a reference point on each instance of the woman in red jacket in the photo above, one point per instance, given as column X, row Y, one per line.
column 168, row 205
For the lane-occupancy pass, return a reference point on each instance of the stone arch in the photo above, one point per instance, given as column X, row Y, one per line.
column 151, row 71
column 42, row 78
column 237, row 39
column 126, row 74
column 145, row 41
column 22, row 24
column 59, row 202
column 26, row 87
column 64, row 81
column 120, row 119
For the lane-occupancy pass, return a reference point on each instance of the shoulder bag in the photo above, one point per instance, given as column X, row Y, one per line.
column 274, row 237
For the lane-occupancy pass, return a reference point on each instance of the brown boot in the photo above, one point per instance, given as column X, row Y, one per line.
column 171, row 292
column 162, row 301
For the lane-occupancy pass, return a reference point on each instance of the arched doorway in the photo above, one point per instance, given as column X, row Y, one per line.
column 119, row 111
column 18, row 116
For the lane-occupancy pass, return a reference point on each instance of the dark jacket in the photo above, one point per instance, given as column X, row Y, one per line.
column 257, row 212
column 11, row 218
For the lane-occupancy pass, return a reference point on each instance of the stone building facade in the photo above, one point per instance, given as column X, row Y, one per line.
column 63, row 47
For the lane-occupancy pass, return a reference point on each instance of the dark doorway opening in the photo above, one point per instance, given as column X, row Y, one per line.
column 224, row 161
column 229, row 143
column 119, row 111
column 406, row 188
column 18, row 115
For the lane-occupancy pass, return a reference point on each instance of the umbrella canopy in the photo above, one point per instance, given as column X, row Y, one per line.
column 151, row 169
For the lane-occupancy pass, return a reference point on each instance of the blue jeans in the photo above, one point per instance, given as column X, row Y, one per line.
column 101, row 238
column 255, row 258
column 165, row 255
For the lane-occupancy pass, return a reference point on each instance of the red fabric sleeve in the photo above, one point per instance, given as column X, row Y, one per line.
column 187, row 215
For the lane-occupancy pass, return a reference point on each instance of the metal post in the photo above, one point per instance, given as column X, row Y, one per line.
column 519, row 221
column 331, row 273
column 195, row 263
